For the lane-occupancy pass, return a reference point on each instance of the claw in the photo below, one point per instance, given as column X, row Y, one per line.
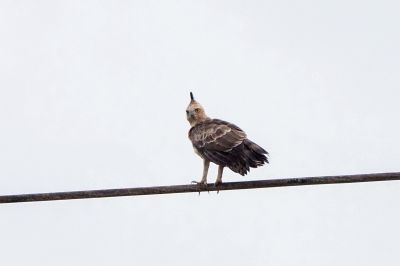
column 217, row 184
column 201, row 184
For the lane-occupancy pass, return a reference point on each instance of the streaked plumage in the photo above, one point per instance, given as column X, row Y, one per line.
column 222, row 143
column 226, row 144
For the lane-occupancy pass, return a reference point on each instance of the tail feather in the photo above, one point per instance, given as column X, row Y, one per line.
column 247, row 155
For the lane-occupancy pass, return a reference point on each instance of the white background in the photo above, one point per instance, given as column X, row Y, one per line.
column 93, row 95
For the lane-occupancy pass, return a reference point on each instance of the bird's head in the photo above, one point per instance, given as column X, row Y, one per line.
column 195, row 112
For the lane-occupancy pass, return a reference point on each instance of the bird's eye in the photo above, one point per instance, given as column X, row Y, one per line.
column 187, row 112
column 197, row 110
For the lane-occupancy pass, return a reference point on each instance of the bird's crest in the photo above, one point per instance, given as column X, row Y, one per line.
column 195, row 112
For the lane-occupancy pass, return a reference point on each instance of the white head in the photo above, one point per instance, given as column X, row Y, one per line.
column 195, row 112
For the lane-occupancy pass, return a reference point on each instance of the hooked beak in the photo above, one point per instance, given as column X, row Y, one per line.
column 190, row 114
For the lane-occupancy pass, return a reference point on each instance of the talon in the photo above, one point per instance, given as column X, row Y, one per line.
column 202, row 185
column 217, row 184
column 199, row 183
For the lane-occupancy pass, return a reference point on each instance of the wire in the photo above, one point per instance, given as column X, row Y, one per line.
column 303, row 181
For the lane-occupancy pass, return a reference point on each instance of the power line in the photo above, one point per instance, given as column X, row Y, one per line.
column 287, row 182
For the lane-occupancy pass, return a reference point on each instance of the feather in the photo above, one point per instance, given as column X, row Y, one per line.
column 226, row 144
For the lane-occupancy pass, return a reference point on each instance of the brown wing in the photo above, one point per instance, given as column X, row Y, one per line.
column 218, row 135
column 214, row 139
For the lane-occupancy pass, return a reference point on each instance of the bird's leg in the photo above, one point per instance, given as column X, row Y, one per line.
column 206, row 165
column 219, row 177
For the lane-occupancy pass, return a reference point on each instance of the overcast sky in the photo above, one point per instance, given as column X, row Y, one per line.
column 93, row 95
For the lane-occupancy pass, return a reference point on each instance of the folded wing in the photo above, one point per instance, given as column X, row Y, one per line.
column 226, row 144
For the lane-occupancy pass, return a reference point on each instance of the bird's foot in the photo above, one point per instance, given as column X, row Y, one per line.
column 217, row 184
column 201, row 184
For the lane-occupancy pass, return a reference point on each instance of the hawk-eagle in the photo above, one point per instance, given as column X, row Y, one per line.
column 222, row 143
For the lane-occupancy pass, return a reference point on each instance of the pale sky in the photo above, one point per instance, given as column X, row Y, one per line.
column 93, row 96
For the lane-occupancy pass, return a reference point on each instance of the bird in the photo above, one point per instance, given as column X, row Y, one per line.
column 221, row 143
